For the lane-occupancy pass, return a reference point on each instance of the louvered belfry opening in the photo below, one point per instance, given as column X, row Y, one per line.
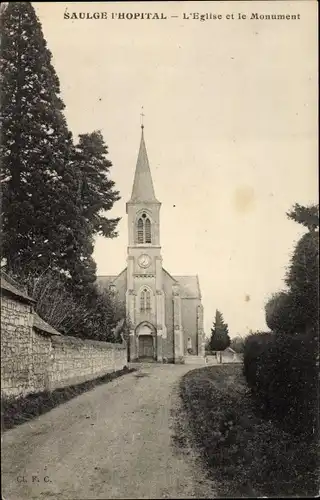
column 144, row 229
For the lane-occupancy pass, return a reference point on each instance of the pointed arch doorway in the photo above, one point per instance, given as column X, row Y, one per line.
column 146, row 335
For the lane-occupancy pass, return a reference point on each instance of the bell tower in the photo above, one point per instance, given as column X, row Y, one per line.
column 145, row 300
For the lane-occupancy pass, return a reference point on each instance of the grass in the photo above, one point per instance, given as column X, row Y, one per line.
column 244, row 454
column 16, row 411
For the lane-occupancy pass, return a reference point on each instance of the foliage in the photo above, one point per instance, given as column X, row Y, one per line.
column 280, row 313
column 96, row 315
column 307, row 216
column 281, row 371
column 281, row 366
column 95, row 186
column 237, row 344
column 96, row 196
column 104, row 313
column 296, row 310
column 54, row 303
column 220, row 339
column 245, row 455
column 255, row 345
column 38, row 197
column 55, row 194
column 303, row 281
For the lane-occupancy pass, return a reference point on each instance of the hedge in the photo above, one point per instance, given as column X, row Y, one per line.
column 282, row 373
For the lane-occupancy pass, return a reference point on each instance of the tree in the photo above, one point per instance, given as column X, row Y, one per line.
column 303, row 281
column 237, row 344
column 220, row 339
column 280, row 313
column 296, row 310
column 39, row 209
column 55, row 195
column 207, row 343
column 96, row 196
column 97, row 191
column 98, row 315
column 104, row 311
column 307, row 216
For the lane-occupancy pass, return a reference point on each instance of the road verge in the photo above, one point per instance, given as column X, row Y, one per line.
column 245, row 455
column 16, row 411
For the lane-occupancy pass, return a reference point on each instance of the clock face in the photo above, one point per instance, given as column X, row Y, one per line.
column 144, row 261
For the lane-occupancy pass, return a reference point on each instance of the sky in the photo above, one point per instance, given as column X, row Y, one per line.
column 230, row 128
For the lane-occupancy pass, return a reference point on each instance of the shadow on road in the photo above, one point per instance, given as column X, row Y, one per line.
column 141, row 374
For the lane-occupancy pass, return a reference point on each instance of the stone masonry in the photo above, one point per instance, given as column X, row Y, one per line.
column 35, row 357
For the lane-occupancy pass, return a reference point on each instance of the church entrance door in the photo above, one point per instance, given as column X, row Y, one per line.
column 146, row 341
column 146, row 347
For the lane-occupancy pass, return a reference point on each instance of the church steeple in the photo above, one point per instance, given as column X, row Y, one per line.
column 143, row 190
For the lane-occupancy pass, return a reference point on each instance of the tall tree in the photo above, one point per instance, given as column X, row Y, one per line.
column 39, row 192
column 220, row 339
column 96, row 187
column 296, row 310
column 303, row 281
column 54, row 195
column 96, row 196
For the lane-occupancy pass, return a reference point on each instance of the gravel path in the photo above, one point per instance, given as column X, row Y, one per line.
column 115, row 441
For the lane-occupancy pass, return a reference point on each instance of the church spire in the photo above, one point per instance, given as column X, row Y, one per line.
column 143, row 190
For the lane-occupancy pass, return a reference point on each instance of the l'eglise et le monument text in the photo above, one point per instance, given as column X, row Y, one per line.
column 164, row 310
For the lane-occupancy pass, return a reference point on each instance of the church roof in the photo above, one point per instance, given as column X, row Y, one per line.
column 143, row 190
column 189, row 287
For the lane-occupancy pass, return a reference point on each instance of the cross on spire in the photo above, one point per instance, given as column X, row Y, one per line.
column 142, row 116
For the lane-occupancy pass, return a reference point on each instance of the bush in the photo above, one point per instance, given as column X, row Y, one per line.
column 281, row 314
column 237, row 344
column 254, row 346
column 93, row 314
column 303, row 281
column 246, row 455
column 281, row 371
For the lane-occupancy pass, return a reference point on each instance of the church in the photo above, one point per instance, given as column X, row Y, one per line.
column 164, row 310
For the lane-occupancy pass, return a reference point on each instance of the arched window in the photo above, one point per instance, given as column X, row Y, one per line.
column 148, row 301
column 140, row 231
column 142, row 301
column 143, row 229
column 145, row 300
column 148, row 230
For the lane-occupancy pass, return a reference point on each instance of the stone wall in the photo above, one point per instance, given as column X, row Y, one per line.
column 75, row 360
column 16, row 345
column 33, row 360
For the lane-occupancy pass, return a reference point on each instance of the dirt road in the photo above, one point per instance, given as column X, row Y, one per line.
column 115, row 441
